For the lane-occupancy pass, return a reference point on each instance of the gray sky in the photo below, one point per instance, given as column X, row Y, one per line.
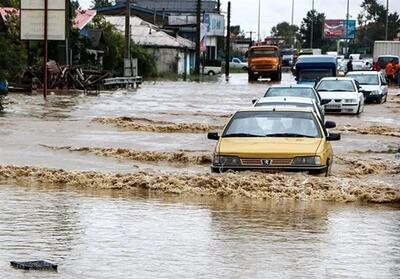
column 245, row 12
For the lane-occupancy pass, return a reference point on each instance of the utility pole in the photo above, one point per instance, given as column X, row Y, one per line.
column 46, row 47
column 312, row 26
column 128, row 30
column 387, row 20
column 259, row 20
column 228, row 44
column 347, row 26
column 292, row 23
column 198, row 39
column 292, row 12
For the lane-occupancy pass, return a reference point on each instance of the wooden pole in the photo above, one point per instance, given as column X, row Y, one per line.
column 128, row 30
column 228, row 44
column 198, row 39
column 45, row 58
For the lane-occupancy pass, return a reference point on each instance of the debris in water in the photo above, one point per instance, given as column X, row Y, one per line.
column 148, row 125
column 371, row 166
column 371, row 130
column 251, row 185
column 183, row 157
column 34, row 265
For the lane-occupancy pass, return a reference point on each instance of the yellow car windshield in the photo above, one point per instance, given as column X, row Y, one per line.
column 273, row 124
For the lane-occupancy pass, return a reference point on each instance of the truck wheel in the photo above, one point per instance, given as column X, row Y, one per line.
column 211, row 73
column 252, row 77
column 244, row 68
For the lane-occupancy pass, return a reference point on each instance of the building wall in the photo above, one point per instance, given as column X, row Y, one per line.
column 172, row 61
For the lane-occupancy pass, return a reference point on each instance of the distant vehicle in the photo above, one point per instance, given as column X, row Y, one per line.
column 344, row 95
column 383, row 48
column 373, row 85
column 310, row 69
column 285, row 139
column 292, row 102
column 264, row 61
column 236, row 63
column 212, row 67
column 310, row 51
column 289, row 56
column 383, row 60
column 302, row 91
column 360, row 63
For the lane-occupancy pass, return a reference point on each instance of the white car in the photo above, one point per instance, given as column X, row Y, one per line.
column 236, row 63
column 291, row 102
column 373, row 85
column 344, row 95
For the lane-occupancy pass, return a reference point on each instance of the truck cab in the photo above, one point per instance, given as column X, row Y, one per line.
column 264, row 61
column 310, row 69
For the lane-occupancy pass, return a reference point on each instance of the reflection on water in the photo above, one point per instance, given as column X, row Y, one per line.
column 114, row 235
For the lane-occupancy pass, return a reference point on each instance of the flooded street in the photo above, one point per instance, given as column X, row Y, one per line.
column 102, row 234
column 118, row 185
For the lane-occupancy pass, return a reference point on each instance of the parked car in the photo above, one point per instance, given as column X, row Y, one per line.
column 344, row 95
column 373, row 85
column 263, row 139
column 264, row 61
column 300, row 102
column 212, row 67
column 236, row 63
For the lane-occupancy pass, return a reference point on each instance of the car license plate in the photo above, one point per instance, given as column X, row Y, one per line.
column 333, row 106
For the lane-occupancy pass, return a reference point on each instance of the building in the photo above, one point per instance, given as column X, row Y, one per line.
column 179, row 17
column 173, row 54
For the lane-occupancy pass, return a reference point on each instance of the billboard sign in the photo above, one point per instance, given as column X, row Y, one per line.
column 215, row 23
column 32, row 20
column 336, row 29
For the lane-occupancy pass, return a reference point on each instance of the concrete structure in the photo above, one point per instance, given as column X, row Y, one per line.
column 173, row 54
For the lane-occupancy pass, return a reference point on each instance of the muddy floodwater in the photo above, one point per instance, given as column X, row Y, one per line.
column 117, row 185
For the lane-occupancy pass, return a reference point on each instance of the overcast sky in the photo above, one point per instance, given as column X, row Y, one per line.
column 245, row 12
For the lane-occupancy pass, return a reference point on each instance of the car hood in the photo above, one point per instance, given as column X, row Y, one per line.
column 338, row 95
column 269, row 147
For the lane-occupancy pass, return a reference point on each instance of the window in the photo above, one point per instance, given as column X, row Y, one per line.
column 336, row 85
column 366, row 79
column 273, row 124
column 292, row 92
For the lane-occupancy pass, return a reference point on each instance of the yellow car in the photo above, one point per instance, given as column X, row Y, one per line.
column 264, row 139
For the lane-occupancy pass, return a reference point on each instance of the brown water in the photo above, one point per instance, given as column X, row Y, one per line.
column 116, row 235
column 164, row 215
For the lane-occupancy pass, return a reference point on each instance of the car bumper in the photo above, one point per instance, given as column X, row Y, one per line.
column 341, row 108
column 315, row 169
column 375, row 97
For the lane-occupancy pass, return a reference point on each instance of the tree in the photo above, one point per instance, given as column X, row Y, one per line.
column 102, row 3
column 286, row 31
column 237, row 33
column 317, row 20
column 372, row 25
column 9, row 3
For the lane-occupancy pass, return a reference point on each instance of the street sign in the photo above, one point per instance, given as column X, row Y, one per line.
column 39, row 5
column 32, row 20
column 32, row 25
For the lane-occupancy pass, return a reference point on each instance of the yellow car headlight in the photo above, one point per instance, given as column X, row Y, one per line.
column 227, row 160
column 307, row 161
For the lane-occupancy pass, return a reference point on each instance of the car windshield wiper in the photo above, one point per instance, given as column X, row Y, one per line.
column 289, row 135
column 240, row 135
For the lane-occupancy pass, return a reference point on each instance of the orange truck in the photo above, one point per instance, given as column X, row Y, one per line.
column 264, row 61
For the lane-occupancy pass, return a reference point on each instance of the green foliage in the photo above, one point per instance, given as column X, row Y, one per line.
column 9, row 3
column 372, row 25
column 13, row 52
column 102, row 3
column 287, row 31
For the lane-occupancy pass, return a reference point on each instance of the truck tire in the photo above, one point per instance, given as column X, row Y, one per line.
column 252, row 77
column 211, row 73
column 276, row 76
